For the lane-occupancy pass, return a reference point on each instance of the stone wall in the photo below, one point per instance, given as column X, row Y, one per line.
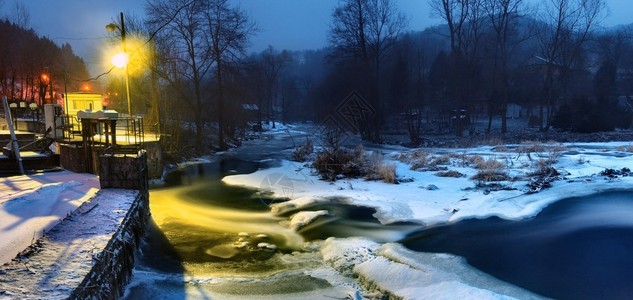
column 72, row 158
column 124, row 171
column 113, row 266
column 154, row 159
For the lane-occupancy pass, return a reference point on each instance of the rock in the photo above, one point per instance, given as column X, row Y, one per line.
column 432, row 187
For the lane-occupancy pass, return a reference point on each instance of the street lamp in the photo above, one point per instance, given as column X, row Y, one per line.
column 121, row 60
column 45, row 80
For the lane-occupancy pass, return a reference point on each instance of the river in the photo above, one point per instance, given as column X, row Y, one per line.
column 209, row 240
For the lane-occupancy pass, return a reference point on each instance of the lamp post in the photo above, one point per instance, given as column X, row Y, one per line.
column 122, row 61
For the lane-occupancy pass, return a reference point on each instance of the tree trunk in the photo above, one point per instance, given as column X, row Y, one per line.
column 198, row 117
column 221, row 141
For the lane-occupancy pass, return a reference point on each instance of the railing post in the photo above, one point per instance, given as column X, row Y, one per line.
column 14, row 140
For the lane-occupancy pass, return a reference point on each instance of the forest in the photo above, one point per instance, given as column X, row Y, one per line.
column 35, row 69
column 554, row 65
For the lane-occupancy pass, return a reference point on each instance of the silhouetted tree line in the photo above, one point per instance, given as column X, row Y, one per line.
column 31, row 66
column 555, row 62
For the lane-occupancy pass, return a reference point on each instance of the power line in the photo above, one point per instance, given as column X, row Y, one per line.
column 80, row 38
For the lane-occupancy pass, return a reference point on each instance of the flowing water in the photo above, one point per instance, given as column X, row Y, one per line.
column 579, row 248
column 209, row 240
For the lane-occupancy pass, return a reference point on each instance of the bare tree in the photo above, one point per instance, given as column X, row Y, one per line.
column 185, row 51
column 21, row 15
column 464, row 19
column 569, row 24
column 228, row 35
column 503, row 16
column 273, row 64
column 363, row 31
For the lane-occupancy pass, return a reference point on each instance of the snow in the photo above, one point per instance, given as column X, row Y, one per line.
column 455, row 198
column 405, row 274
column 397, row 271
column 30, row 205
column 58, row 263
column 303, row 218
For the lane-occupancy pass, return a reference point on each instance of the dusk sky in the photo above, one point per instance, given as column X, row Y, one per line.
column 284, row 24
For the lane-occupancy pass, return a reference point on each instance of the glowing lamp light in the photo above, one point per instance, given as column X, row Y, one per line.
column 120, row 60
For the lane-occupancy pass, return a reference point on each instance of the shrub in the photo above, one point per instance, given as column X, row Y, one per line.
column 543, row 167
column 352, row 164
column 387, row 172
column 418, row 159
column 450, row 173
column 490, row 170
column 377, row 169
column 330, row 164
column 440, row 160
column 302, row 152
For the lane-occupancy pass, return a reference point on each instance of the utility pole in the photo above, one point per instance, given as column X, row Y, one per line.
column 112, row 27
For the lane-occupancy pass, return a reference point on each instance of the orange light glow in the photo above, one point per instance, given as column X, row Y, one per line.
column 85, row 87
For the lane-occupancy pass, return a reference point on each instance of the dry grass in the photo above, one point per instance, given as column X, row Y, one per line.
column 377, row 169
column 418, row 159
column 450, row 173
column 330, row 164
column 472, row 160
column 334, row 164
column 302, row 152
column 489, row 164
column 530, row 147
column 386, row 172
column 539, row 147
column 543, row 167
column 490, row 170
column 440, row 160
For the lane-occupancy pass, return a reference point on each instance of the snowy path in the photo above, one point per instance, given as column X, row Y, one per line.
column 31, row 205
column 60, row 261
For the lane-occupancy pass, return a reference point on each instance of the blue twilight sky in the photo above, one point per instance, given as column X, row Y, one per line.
column 283, row 24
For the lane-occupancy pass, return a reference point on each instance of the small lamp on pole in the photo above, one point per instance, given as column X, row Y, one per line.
column 121, row 60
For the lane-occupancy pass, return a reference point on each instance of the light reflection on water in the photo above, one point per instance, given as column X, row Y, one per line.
column 204, row 231
column 574, row 249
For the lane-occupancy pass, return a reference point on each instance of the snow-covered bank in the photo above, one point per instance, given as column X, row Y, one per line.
column 424, row 197
column 428, row 198
column 404, row 274
column 31, row 205
column 88, row 255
